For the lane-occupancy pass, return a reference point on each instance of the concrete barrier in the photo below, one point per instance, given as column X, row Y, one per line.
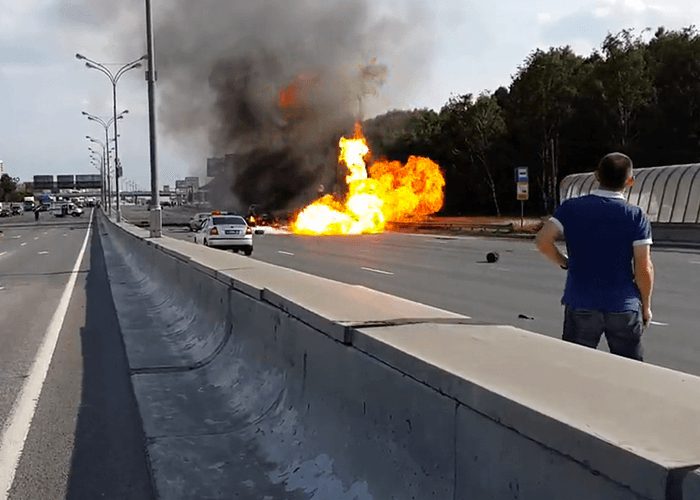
column 293, row 386
column 677, row 234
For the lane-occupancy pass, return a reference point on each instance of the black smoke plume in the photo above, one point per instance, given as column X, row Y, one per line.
column 271, row 84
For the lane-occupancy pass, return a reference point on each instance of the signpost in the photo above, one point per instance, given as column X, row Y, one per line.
column 522, row 183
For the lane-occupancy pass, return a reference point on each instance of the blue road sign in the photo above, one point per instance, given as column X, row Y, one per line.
column 521, row 174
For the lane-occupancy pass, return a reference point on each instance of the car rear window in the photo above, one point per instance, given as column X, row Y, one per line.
column 229, row 221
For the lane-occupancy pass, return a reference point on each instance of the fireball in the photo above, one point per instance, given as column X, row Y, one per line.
column 390, row 192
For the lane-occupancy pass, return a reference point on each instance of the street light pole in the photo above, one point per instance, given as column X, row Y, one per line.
column 156, row 222
column 102, row 176
column 106, row 125
column 114, row 79
column 105, row 155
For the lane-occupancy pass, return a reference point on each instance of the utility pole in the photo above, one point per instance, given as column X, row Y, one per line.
column 156, row 216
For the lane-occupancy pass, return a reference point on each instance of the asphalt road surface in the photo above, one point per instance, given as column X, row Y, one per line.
column 83, row 437
column 452, row 273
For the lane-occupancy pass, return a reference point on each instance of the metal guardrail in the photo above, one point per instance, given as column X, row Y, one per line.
column 499, row 228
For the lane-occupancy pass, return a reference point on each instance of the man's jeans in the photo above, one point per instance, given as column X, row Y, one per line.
column 622, row 330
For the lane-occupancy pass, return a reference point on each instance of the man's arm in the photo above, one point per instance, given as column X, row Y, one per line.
column 644, row 277
column 546, row 244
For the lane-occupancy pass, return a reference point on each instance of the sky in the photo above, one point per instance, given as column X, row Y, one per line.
column 472, row 46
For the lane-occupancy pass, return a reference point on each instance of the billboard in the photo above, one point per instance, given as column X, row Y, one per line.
column 88, row 181
column 166, row 188
column 43, row 182
column 65, row 181
column 192, row 182
column 180, row 185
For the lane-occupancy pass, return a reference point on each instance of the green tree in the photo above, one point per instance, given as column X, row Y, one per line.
column 473, row 127
column 542, row 97
column 623, row 84
column 8, row 188
column 671, row 130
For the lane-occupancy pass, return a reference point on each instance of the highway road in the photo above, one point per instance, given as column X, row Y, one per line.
column 452, row 273
column 64, row 381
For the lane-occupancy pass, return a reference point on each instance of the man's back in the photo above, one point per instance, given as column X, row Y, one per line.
column 600, row 231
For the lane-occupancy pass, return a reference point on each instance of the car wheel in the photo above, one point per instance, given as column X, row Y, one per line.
column 248, row 251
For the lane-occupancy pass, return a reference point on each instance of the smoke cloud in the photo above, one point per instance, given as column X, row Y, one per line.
column 272, row 84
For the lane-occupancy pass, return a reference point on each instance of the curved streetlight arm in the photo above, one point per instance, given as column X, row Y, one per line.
column 101, row 69
column 128, row 67
column 96, row 141
column 100, row 121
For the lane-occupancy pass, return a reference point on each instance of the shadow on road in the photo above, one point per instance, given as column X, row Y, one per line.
column 109, row 459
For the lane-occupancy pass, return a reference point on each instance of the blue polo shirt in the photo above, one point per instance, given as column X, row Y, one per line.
column 601, row 230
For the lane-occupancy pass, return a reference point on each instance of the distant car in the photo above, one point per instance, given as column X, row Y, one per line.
column 197, row 220
column 66, row 209
column 229, row 232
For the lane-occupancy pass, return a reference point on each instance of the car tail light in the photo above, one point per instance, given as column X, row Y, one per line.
column 214, row 232
column 249, row 230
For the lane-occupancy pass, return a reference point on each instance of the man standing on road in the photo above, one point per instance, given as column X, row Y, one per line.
column 610, row 273
column 36, row 214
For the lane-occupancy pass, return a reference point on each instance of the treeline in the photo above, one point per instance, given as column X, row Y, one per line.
column 560, row 114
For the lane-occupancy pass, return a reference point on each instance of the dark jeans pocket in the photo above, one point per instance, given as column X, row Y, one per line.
column 583, row 326
column 624, row 333
column 627, row 324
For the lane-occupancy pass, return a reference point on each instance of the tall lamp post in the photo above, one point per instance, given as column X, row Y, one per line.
column 105, row 156
column 99, row 161
column 114, row 79
column 106, row 125
column 156, row 219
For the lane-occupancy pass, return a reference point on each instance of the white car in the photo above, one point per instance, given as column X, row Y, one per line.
column 230, row 232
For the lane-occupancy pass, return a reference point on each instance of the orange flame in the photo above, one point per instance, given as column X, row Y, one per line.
column 289, row 96
column 391, row 192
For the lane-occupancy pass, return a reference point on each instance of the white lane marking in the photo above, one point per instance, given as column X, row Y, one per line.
column 65, row 234
column 23, row 244
column 46, row 232
column 504, row 269
column 378, row 271
column 36, row 238
column 20, row 419
column 16, row 237
column 43, row 253
column 3, row 253
column 285, row 253
column 656, row 323
column 695, row 261
column 2, row 288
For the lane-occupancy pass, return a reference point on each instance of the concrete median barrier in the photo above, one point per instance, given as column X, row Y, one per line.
column 255, row 381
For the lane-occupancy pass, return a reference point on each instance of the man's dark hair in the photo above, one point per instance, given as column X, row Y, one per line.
column 613, row 171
